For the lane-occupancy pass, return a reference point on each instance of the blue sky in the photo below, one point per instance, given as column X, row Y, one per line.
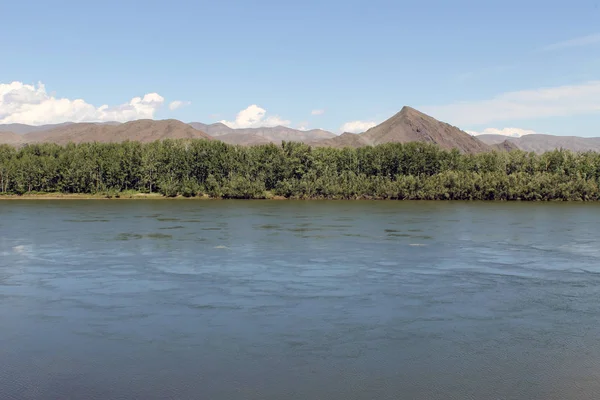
column 531, row 65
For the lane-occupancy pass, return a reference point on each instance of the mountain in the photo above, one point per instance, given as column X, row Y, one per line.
column 144, row 130
column 410, row 125
column 494, row 139
column 10, row 138
column 148, row 130
column 254, row 136
column 216, row 129
column 539, row 143
column 346, row 139
column 245, row 139
column 23, row 129
column 506, row 145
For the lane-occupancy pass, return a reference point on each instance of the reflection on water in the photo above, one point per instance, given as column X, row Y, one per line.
column 299, row 300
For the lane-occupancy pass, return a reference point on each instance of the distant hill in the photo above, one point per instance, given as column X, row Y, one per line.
column 148, row 130
column 539, row 143
column 256, row 136
column 506, row 145
column 493, row 139
column 10, row 138
column 346, row 139
column 23, row 129
column 246, row 139
column 214, row 130
column 144, row 130
column 410, row 125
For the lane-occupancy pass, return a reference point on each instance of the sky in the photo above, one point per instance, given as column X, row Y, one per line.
column 342, row 65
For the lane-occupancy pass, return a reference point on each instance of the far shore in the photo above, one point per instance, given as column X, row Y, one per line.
column 117, row 196
column 268, row 196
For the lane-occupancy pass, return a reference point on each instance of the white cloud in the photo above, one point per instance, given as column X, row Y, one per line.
column 317, row 112
column 174, row 105
column 577, row 42
column 357, row 126
column 254, row 117
column 303, row 126
column 559, row 101
column 31, row 104
column 512, row 132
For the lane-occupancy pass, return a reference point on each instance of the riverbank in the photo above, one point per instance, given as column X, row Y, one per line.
column 85, row 196
column 267, row 196
column 115, row 196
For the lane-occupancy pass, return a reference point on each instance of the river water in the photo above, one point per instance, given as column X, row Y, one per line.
column 299, row 300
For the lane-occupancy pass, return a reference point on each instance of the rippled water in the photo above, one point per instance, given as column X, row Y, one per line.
column 299, row 300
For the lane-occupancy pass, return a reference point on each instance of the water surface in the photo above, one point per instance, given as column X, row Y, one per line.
column 299, row 300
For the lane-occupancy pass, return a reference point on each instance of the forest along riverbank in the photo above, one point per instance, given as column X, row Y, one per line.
column 200, row 168
column 122, row 196
column 201, row 197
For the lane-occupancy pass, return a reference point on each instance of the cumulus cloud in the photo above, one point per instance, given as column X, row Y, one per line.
column 577, row 42
column 255, row 117
column 357, row 126
column 559, row 101
column 317, row 112
column 31, row 104
column 512, row 132
column 174, row 105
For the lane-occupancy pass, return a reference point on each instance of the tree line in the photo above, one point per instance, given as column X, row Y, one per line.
column 415, row 171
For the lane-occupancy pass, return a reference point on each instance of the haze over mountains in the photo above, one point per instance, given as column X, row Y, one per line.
column 408, row 125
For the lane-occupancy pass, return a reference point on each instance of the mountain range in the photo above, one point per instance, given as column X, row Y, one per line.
column 540, row 143
column 150, row 130
column 143, row 130
column 255, row 136
column 408, row 125
column 23, row 129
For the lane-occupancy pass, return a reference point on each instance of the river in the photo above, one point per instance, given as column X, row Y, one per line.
column 283, row 300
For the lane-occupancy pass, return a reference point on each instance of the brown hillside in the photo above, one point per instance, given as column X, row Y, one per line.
column 410, row 125
column 540, row 143
column 144, row 130
column 256, row 136
column 346, row 139
column 244, row 139
column 11, row 138
column 492, row 138
column 507, row 145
